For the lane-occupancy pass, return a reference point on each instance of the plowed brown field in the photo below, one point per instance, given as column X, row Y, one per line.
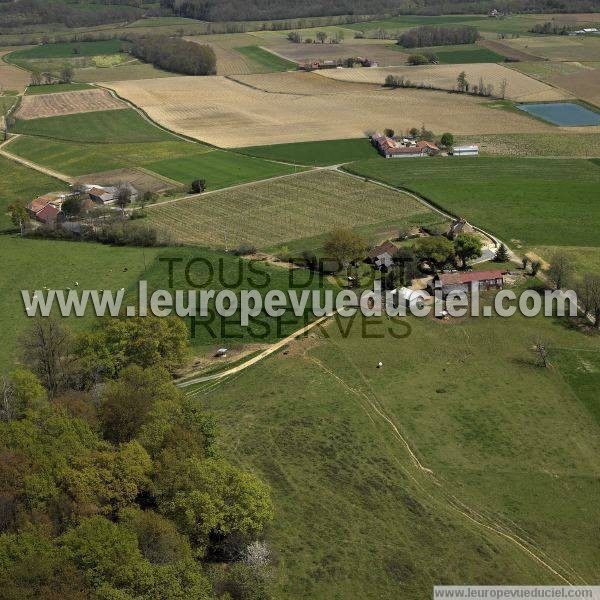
column 228, row 114
column 67, row 103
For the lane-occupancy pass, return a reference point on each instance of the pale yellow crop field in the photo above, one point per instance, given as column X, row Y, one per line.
column 559, row 47
column 301, row 83
column 229, row 61
column 519, row 86
column 67, row 103
column 272, row 212
column 11, row 77
column 385, row 54
column 228, row 114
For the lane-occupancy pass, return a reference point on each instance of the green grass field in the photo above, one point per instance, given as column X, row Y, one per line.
column 34, row 264
column 330, row 152
column 265, row 59
column 291, row 210
column 528, row 201
column 552, row 144
column 79, row 159
column 30, row 264
column 53, row 88
column 70, row 49
column 219, row 168
column 512, row 24
column 108, row 126
column 21, row 185
column 469, row 53
column 355, row 518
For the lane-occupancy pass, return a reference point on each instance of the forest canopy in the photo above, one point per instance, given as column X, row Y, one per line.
column 432, row 35
column 177, row 55
column 112, row 485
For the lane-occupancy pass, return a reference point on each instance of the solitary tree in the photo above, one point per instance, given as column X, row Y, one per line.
column 503, row 86
column 560, row 271
column 18, row 215
column 123, row 198
column 321, row 36
column 535, row 267
column 501, row 254
column 540, row 348
column 66, row 74
column 447, row 140
column 45, row 349
column 436, row 250
column 467, row 247
column 388, row 132
column 198, row 186
column 344, row 246
column 461, row 82
column 588, row 294
column 525, row 262
column 36, row 77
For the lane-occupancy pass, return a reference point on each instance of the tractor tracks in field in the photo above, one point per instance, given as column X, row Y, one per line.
column 566, row 574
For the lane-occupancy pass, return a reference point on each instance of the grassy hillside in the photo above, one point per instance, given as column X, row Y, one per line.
column 70, row 49
column 355, row 517
column 265, row 59
column 20, row 184
column 109, row 126
column 286, row 210
column 34, row 264
column 219, row 168
column 331, row 152
column 78, row 159
column 530, row 201
column 54, row 88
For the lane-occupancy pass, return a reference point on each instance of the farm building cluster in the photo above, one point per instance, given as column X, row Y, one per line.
column 406, row 147
column 357, row 61
column 47, row 209
column 384, row 256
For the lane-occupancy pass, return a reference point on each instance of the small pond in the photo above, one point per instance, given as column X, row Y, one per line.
column 565, row 114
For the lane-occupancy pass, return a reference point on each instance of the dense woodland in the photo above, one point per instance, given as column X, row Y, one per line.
column 430, row 35
column 35, row 12
column 177, row 55
column 240, row 10
column 20, row 13
column 111, row 484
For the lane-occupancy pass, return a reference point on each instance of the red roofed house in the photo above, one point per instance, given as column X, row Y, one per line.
column 47, row 208
column 50, row 214
column 382, row 254
column 391, row 148
column 461, row 282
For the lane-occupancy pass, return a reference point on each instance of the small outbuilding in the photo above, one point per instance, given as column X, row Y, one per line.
column 383, row 254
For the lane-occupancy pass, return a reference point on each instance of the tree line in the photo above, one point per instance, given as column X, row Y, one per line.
column 112, row 482
column 177, row 55
column 246, row 10
column 34, row 12
column 435, row 35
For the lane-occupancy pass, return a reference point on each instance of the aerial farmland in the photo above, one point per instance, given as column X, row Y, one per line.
column 326, row 170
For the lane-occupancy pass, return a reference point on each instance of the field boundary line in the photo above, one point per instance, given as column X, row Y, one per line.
column 35, row 166
column 425, row 202
column 232, row 187
column 273, row 348
column 452, row 501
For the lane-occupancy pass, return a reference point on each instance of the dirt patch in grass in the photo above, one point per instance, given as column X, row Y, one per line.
column 67, row 103
column 142, row 181
column 507, row 51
